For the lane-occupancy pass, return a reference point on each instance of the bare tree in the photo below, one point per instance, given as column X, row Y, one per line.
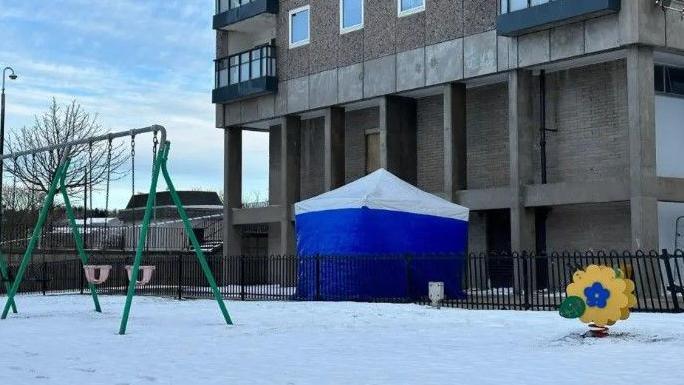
column 60, row 124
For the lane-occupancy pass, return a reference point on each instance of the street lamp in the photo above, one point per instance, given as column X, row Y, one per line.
column 12, row 76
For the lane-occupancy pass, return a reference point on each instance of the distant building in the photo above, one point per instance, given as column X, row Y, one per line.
column 196, row 203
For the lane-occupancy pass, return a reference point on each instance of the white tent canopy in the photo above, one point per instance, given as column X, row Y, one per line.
column 384, row 191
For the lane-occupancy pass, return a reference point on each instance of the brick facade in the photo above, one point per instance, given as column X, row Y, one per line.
column 430, row 144
column 588, row 107
column 487, row 136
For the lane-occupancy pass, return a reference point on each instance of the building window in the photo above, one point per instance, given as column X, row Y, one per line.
column 227, row 5
column 516, row 5
column 299, row 26
column 372, row 150
column 351, row 15
column 407, row 7
column 669, row 80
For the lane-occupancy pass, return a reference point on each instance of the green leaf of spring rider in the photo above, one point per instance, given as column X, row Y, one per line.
column 572, row 307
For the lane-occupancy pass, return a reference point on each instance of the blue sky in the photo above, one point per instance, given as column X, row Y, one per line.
column 134, row 63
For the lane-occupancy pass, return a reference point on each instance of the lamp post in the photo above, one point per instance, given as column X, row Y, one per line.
column 12, row 76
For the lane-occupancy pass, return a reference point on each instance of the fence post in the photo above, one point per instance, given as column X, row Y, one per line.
column 81, row 277
column 526, row 283
column 43, row 281
column 180, row 276
column 671, row 287
column 408, row 278
column 318, row 278
column 242, row 277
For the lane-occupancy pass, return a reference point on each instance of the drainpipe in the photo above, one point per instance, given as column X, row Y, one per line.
column 542, row 212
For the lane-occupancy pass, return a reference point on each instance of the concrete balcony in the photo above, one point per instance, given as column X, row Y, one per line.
column 246, row 75
column 520, row 17
column 241, row 14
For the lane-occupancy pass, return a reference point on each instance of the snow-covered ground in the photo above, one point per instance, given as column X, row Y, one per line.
column 60, row 340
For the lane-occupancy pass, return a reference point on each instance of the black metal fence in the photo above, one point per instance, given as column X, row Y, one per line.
column 475, row 281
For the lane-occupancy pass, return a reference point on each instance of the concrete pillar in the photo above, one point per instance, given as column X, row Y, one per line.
column 455, row 147
column 521, row 137
column 642, row 166
column 334, row 148
column 397, row 127
column 642, row 148
column 232, row 186
column 289, row 180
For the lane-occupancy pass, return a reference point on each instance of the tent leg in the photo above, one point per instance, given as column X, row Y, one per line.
column 141, row 242
column 47, row 203
column 77, row 235
column 193, row 239
column 4, row 273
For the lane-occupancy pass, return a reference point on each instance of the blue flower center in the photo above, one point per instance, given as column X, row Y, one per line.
column 597, row 295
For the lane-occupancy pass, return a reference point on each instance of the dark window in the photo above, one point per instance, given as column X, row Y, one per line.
column 669, row 80
column 659, row 79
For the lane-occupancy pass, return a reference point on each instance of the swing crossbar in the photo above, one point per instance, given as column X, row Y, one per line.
column 93, row 139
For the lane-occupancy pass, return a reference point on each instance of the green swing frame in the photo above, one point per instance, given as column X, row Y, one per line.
column 159, row 166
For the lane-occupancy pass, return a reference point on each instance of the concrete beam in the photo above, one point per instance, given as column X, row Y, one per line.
column 334, row 148
column 455, row 148
column 521, row 136
column 670, row 189
column 642, row 148
column 257, row 215
column 290, row 144
column 232, row 185
column 568, row 193
column 484, row 199
column 397, row 127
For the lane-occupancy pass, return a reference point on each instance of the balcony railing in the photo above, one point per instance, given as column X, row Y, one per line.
column 229, row 12
column 246, row 74
column 525, row 16
column 516, row 5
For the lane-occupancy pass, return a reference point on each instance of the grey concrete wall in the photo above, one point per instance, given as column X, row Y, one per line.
column 477, row 232
column 430, row 144
column 588, row 107
column 311, row 161
column 487, row 138
column 603, row 226
column 274, row 165
column 356, row 124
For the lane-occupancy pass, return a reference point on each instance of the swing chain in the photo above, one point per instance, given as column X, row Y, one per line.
column 14, row 184
column 155, row 143
column 132, row 165
column 109, row 171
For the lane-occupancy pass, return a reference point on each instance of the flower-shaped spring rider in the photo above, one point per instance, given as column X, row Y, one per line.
column 599, row 296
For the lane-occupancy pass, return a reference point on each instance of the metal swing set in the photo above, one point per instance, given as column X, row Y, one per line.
column 98, row 274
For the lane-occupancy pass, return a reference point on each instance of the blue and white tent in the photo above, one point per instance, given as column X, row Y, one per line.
column 421, row 237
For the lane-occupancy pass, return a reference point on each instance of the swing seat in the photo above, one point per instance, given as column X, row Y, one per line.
column 97, row 274
column 146, row 274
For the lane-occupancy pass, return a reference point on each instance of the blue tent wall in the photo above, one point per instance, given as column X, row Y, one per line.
column 362, row 253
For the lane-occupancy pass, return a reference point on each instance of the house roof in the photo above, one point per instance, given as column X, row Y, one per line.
column 189, row 198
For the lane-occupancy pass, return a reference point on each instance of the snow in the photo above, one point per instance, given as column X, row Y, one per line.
column 60, row 340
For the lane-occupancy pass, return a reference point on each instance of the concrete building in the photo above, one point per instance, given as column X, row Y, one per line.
column 558, row 123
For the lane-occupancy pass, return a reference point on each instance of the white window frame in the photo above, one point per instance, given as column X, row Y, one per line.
column 411, row 11
column 308, row 27
column 352, row 28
